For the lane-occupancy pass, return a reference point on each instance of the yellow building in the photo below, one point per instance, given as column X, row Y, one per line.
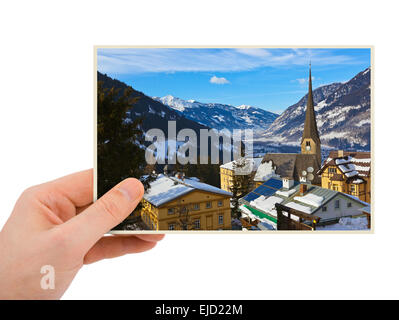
column 185, row 204
column 348, row 172
column 227, row 172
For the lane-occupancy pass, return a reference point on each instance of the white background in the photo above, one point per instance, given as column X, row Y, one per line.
column 46, row 131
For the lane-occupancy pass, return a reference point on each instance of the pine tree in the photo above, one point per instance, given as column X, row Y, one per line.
column 241, row 185
column 119, row 140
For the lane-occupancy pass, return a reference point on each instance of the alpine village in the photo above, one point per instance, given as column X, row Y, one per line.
column 306, row 190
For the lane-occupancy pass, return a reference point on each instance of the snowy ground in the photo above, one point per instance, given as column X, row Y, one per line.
column 359, row 223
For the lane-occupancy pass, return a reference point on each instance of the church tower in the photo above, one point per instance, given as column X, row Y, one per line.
column 310, row 143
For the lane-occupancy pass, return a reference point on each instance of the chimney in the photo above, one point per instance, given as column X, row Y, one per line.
column 302, row 189
column 340, row 153
column 165, row 170
column 288, row 183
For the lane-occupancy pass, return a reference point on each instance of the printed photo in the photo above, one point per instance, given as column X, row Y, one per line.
column 244, row 139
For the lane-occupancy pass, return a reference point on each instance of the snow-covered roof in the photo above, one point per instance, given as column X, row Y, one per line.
column 254, row 162
column 165, row 189
column 354, row 165
column 265, row 171
column 314, row 198
column 266, row 204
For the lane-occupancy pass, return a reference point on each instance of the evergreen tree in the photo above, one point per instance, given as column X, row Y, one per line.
column 119, row 140
column 241, row 185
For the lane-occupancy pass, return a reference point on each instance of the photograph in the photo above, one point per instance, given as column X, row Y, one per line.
column 237, row 138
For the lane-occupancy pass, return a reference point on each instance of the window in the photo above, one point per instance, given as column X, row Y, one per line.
column 332, row 170
column 307, row 145
column 336, row 204
column 196, row 206
column 353, row 188
column 171, row 211
column 220, row 219
column 171, row 226
column 324, row 209
column 197, row 224
column 220, row 203
column 208, row 205
column 349, row 204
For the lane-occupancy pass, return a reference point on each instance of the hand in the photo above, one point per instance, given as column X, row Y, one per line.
column 54, row 224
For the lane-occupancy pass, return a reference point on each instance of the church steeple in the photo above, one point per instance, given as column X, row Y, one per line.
column 310, row 143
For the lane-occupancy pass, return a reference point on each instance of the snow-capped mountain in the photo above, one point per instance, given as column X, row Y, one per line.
column 220, row 116
column 153, row 113
column 342, row 115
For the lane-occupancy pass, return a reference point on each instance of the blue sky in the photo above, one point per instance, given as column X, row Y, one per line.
column 269, row 78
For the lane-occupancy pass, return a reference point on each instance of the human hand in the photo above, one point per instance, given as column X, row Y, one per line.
column 54, row 224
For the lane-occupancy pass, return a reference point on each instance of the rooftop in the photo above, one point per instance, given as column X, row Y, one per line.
column 270, row 192
column 354, row 165
column 165, row 189
column 255, row 162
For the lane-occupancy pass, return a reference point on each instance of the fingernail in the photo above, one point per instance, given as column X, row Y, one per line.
column 131, row 189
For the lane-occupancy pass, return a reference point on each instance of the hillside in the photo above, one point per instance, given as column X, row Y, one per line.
column 342, row 114
column 220, row 116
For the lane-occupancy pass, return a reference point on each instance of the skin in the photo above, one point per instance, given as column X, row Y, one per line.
column 57, row 224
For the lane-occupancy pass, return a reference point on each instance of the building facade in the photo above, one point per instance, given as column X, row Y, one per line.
column 328, row 205
column 185, row 204
column 227, row 172
column 348, row 172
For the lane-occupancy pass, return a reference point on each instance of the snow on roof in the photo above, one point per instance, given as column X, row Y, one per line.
column 265, row 171
column 266, row 204
column 299, row 207
column 255, row 162
column 352, row 164
column 310, row 199
column 165, row 189
column 286, row 193
column 202, row 186
column 268, row 224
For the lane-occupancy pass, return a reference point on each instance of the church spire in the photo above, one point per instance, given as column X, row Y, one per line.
column 310, row 128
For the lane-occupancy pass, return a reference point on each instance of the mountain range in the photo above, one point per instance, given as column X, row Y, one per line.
column 154, row 113
column 342, row 115
column 220, row 116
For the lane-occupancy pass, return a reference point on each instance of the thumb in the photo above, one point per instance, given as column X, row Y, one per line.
column 104, row 214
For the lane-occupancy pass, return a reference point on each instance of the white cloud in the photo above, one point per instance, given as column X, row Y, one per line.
column 303, row 80
column 141, row 60
column 217, row 80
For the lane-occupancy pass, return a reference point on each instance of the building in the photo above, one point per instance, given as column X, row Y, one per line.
column 328, row 205
column 310, row 143
column 227, row 172
column 296, row 166
column 348, row 172
column 178, row 203
column 300, row 167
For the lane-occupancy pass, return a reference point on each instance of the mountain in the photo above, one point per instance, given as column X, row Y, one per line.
column 220, row 116
column 154, row 113
column 342, row 115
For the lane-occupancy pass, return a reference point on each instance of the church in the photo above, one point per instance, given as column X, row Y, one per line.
column 302, row 166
